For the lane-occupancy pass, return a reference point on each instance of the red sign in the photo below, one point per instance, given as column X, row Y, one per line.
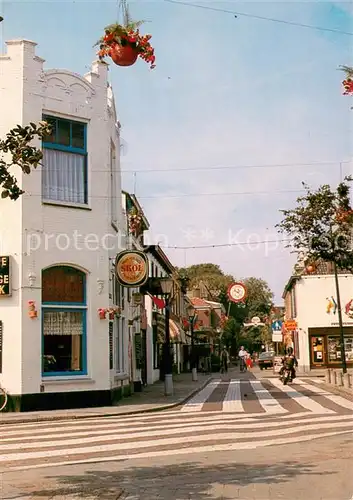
column 237, row 292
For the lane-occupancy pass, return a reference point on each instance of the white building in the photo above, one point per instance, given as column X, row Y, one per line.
column 311, row 300
column 62, row 237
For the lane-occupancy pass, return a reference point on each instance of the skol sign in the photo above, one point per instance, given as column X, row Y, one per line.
column 5, row 277
column 131, row 268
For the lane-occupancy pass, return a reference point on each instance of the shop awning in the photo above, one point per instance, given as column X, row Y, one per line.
column 176, row 332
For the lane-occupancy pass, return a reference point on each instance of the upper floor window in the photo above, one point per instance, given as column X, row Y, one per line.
column 64, row 173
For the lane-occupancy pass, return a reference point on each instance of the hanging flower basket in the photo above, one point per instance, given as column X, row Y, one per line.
column 348, row 82
column 123, row 56
column 124, row 44
column 102, row 313
column 32, row 312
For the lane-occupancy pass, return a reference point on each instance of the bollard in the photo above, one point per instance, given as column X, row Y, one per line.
column 346, row 381
column 334, row 377
column 340, row 379
column 328, row 376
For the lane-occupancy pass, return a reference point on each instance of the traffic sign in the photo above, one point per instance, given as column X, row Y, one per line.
column 237, row 292
column 277, row 326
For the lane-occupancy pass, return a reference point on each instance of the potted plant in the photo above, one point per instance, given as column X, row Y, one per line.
column 102, row 313
column 348, row 82
column 32, row 312
column 124, row 43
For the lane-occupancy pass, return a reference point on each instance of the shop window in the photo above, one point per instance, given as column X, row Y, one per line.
column 64, row 176
column 334, row 349
column 64, row 329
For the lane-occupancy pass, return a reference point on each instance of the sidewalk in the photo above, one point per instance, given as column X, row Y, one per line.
column 151, row 398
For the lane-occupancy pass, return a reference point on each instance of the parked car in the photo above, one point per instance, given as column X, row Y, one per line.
column 266, row 360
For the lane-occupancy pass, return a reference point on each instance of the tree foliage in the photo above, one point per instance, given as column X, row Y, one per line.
column 16, row 150
column 258, row 302
column 208, row 276
column 321, row 224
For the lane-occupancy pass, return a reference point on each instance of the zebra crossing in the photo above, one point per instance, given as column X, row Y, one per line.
column 269, row 396
column 192, row 428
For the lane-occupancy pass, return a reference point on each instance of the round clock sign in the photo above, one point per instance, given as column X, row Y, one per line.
column 237, row 292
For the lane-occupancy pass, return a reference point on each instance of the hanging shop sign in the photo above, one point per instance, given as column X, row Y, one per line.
column 290, row 325
column 237, row 292
column 131, row 268
column 5, row 276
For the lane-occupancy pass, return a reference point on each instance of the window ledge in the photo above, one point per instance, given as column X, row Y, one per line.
column 121, row 376
column 79, row 206
column 67, row 380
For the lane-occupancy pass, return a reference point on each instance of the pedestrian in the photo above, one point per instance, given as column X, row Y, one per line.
column 248, row 361
column 224, row 360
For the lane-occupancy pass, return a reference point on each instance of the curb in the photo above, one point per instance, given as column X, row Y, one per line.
column 155, row 409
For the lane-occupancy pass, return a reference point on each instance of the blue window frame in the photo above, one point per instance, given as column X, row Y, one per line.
column 64, row 173
column 64, row 322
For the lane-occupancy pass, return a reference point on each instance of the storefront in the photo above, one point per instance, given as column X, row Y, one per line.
column 325, row 347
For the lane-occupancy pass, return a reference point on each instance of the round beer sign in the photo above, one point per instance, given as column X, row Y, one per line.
column 236, row 292
column 131, row 268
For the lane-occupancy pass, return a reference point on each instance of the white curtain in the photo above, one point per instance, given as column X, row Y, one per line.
column 62, row 323
column 63, row 176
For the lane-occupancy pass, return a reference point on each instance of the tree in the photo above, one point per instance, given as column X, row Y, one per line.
column 320, row 226
column 16, row 150
column 258, row 302
column 208, row 277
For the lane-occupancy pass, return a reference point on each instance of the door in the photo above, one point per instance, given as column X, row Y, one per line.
column 317, row 351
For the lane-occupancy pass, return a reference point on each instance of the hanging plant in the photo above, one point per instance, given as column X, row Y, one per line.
column 124, row 44
column 348, row 82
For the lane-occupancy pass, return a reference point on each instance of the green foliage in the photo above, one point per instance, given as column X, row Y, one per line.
column 208, row 275
column 321, row 225
column 348, row 70
column 16, row 150
column 259, row 302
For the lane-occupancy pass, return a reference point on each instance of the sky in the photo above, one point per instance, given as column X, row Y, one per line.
column 218, row 138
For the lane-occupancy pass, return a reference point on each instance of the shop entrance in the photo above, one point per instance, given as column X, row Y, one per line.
column 325, row 347
column 318, row 351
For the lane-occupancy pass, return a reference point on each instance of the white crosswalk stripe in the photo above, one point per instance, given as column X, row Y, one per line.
column 196, row 403
column 43, row 444
column 248, row 414
column 270, row 401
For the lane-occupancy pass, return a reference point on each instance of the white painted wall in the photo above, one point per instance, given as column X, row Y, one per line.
column 311, row 294
column 27, row 91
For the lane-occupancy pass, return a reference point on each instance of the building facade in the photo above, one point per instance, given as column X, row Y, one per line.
column 161, row 267
column 65, row 326
column 311, row 300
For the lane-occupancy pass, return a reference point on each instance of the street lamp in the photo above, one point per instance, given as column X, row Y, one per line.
column 340, row 320
column 192, row 314
column 167, row 290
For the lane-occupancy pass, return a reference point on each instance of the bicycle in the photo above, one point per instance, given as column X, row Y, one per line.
column 3, row 398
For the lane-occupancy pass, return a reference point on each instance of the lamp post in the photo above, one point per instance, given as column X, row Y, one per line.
column 340, row 321
column 167, row 289
column 192, row 317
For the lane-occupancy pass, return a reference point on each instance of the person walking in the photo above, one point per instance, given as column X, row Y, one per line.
column 242, row 356
column 224, row 360
column 248, row 361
